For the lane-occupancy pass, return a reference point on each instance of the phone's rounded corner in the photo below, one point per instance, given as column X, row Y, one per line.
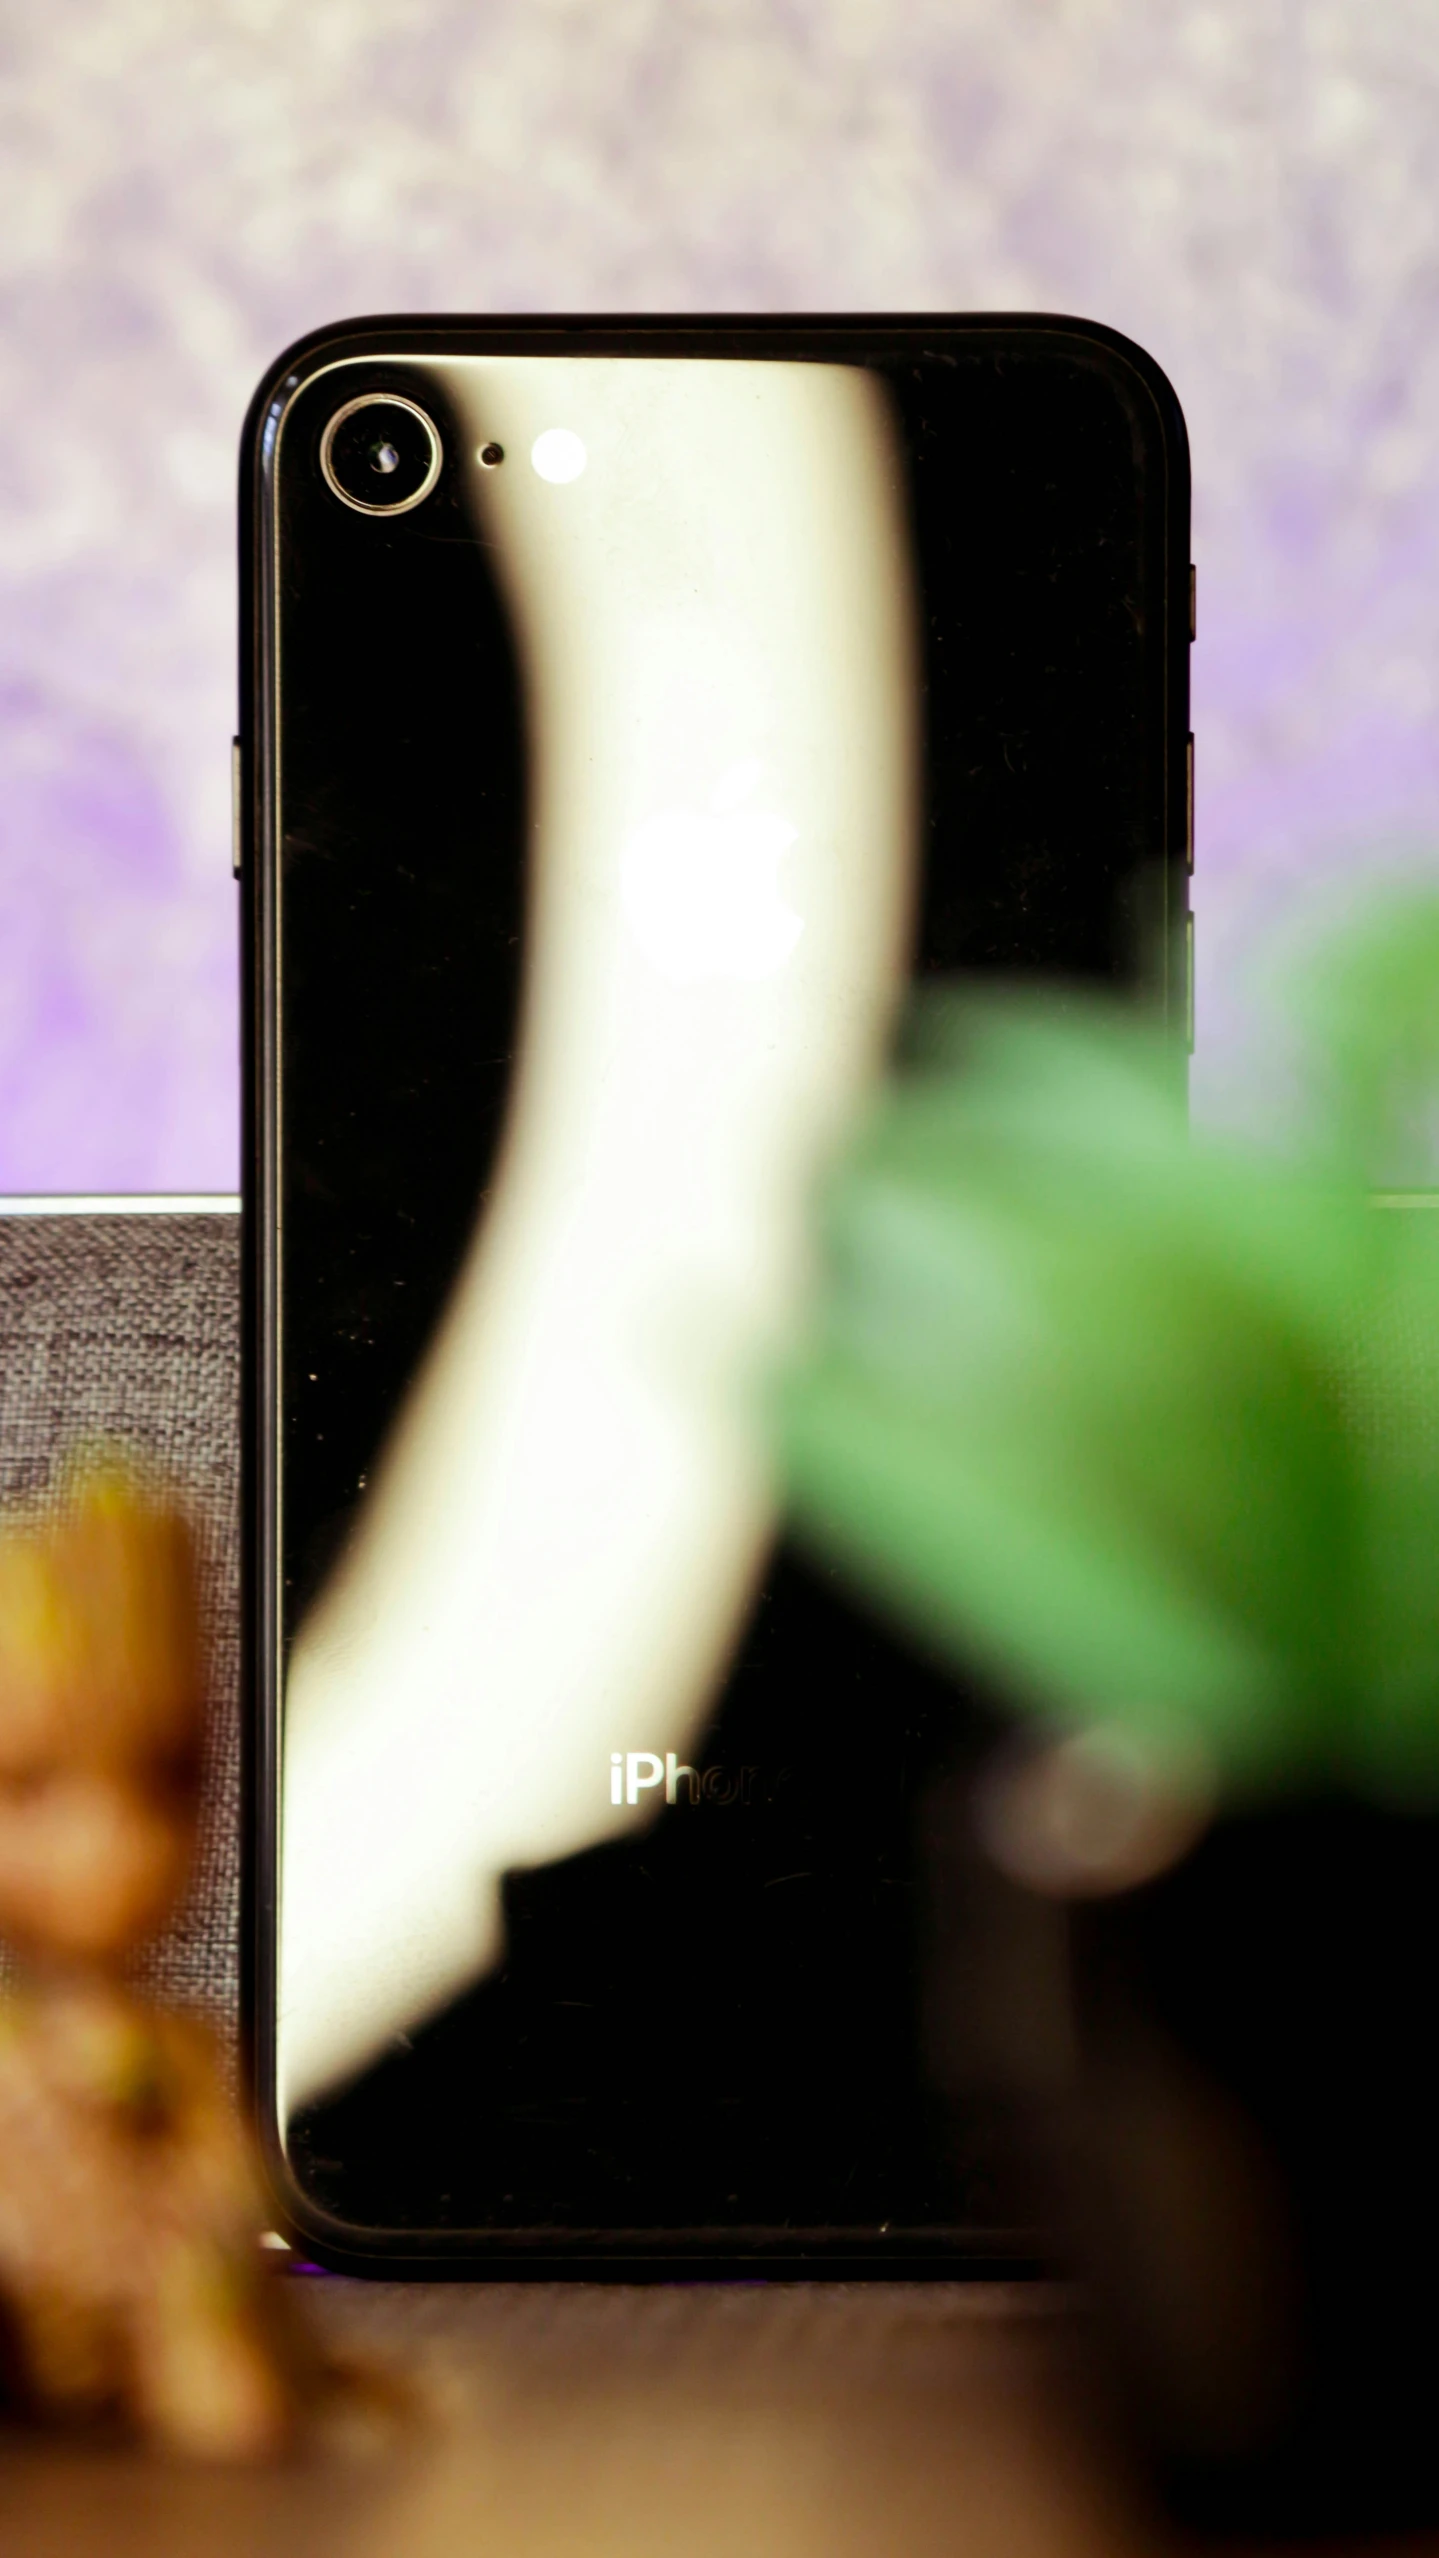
column 1125, row 355
column 312, row 2235
column 297, row 364
column 277, row 384
column 314, row 2249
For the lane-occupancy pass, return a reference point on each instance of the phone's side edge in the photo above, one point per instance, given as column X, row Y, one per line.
column 258, row 872
column 1161, row 923
column 1177, row 857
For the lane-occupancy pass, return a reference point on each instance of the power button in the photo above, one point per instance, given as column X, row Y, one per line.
column 236, row 797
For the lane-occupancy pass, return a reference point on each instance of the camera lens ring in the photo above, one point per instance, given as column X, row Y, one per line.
column 394, row 506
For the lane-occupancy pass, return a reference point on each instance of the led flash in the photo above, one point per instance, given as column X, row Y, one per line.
column 558, row 455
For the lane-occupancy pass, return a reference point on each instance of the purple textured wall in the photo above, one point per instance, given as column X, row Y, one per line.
column 1245, row 185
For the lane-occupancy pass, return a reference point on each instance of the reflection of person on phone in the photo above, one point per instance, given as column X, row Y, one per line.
column 708, row 575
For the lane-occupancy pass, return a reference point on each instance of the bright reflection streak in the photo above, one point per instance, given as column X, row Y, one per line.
column 565, row 1532
column 701, row 888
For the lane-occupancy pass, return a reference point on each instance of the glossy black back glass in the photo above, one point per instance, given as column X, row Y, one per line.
column 704, row 2039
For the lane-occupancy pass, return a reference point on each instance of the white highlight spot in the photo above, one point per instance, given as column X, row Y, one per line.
column 642, row 1768
column 558, row 455
column 701, row 887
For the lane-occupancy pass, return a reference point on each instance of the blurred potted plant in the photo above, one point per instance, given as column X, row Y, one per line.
column 1147, row 1425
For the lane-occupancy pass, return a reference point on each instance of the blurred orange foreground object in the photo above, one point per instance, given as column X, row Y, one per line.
column 131, row 2287
column 101, row 1698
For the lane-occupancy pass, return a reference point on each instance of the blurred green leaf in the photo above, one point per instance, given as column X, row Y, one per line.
column 1147, row 1424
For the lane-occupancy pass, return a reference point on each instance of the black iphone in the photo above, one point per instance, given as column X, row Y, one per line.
column 633, row 711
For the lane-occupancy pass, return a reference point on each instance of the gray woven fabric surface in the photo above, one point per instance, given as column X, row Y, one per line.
column 128, row 1327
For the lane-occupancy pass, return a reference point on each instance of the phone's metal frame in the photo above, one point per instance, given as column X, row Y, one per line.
column 629, row 2255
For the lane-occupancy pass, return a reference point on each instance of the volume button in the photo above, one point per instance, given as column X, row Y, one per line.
column 236, row 800
column 1189, row 802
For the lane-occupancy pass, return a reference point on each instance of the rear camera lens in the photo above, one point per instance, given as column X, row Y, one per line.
column 380, row 454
